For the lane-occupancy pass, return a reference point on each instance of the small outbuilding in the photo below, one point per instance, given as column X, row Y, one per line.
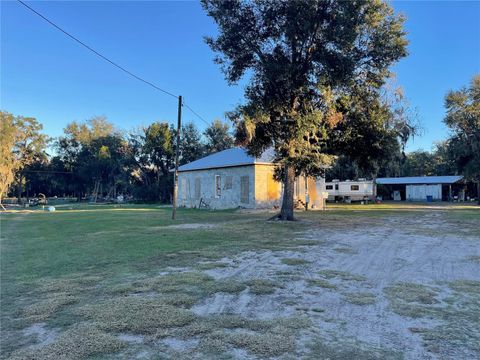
column 231, row 178
column 420, row 188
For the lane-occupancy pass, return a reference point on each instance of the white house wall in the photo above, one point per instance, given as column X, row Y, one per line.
column 263, row 190
column 228, row 198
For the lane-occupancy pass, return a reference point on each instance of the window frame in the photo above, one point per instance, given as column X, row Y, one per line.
column 183, row 188
column 198, row 188
column 218, row 185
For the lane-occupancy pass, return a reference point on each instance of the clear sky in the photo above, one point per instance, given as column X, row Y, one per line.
column 46, row 75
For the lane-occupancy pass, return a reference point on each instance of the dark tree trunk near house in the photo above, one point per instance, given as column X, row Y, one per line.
column 478, row 192
column 286, row 212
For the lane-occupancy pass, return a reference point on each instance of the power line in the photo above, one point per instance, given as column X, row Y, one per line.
column 193, row 111
column 96, row 52
column 108, row 60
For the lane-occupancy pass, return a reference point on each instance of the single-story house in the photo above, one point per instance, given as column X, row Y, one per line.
column 420, row 188
column 231, row 178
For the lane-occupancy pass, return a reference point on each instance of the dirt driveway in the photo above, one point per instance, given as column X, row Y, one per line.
column 405, row 284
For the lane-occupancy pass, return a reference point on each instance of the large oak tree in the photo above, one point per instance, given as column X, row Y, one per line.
column 21, row 144
column 307, row 62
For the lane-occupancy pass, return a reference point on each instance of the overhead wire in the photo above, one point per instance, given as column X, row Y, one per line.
column 197, row 115
column 108, row 60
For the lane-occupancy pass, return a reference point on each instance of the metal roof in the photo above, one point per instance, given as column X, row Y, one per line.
column 420, row 180
column 228, row 158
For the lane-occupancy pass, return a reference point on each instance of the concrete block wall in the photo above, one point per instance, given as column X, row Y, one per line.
column 263, row 191
column 228, row 198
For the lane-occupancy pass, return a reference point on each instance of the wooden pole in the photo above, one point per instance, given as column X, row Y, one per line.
column 177, row 152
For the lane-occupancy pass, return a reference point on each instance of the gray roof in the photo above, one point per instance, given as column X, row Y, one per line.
column 419, row 180
column 228, row 158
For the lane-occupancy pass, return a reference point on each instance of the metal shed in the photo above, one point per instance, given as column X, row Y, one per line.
column 421, row 188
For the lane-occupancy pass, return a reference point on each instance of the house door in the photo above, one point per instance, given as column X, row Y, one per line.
column 244, row 189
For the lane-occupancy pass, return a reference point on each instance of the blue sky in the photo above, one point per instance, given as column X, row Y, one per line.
column 46, row 75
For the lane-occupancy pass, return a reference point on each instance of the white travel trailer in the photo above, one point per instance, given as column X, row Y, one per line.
column 358, row 190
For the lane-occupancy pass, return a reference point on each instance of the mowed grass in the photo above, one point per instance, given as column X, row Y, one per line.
column 113, row 239
column 56, row 266
column 87, row 274
column 108, row 239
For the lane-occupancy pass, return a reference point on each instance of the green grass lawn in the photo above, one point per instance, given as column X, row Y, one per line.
column 84, row 270
column 106, row 245
column 114, row 240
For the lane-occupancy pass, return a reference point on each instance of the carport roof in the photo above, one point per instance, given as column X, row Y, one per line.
column 419, row 180
column 228, row 158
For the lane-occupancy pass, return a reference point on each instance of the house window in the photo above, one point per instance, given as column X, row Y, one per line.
column 183, row 189
column 244, row 189
column 218, row 186
column 354, row 187
column 198, row 188
column 228, row 183
column 329, row 187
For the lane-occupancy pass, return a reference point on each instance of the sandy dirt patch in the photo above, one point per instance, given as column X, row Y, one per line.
column 42, row 335
column 191, row 226
column 343, row 292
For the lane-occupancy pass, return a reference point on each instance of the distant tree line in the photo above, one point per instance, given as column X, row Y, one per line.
column 94, row 160
column 439, row 161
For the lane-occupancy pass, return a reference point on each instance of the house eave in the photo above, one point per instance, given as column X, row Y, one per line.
column 227, row 166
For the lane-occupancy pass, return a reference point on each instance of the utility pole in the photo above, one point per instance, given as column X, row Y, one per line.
column 177, row 152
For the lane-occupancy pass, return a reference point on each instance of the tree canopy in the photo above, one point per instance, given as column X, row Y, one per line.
column 93, row 159
column 463, row 118
column 217, row 137
column 192, row 147
column 21, row 144
column 8, row 160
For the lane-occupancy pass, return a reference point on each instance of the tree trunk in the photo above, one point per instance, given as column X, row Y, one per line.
column 288, row 189
column 1, row 205
column 19, row 192
column 478, row 192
